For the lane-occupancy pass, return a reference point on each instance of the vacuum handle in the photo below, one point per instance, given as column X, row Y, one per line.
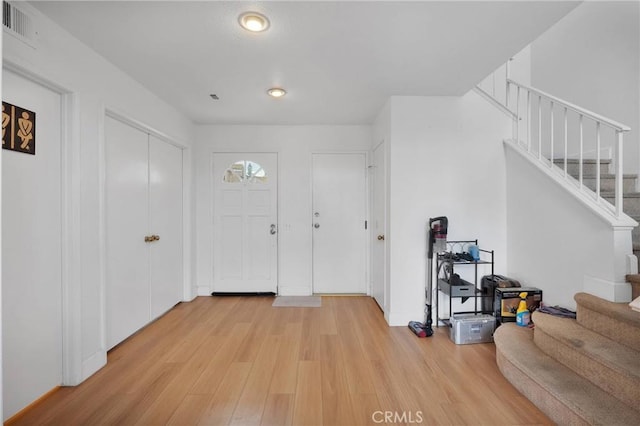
column 440, row 231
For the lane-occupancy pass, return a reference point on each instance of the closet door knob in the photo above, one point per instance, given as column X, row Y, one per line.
column 155, row 237
column 148, row 239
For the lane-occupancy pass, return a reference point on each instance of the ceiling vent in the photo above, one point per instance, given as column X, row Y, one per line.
column 18, row 23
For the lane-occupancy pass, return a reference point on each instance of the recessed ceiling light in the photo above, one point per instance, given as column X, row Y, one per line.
column 253, row 21
column 276, row 92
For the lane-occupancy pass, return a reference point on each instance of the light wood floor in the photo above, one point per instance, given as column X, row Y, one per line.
column 231, row 360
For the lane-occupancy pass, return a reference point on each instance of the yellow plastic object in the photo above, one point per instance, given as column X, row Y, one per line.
column 523, row 316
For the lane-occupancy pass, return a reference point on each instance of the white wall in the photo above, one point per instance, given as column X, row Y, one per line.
column 94, row 85
column 294, row 145
column 555, row 242
column 446, row 158
column 591, row 58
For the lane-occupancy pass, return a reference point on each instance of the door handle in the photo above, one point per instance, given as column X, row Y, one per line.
column 273, row 229
column 380, row 237
column 151, row 238
column 316, row 225
column 155, row 237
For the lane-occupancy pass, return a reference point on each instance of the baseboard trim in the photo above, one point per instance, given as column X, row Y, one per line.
column 93, row 364
column 608, row 290
column 17, row 416
column 235, row 294
column 204, row 290
column 294, row 291
column 397, row 319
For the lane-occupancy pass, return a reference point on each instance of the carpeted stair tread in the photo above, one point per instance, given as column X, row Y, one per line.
column 607, row 176
column 584, row 161
column 616, row 321
column 609, row 365
column 611, row 194
column 566, row 397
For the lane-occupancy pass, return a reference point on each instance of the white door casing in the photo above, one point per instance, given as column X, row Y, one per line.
column 143, row 198
column 32, row 251
column 378, row 227
column 338, row 223
column 245, row 219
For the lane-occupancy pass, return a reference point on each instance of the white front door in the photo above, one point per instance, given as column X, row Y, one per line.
column 339, row 223
column 245, row 218
column 378, row 226
column 31, row 244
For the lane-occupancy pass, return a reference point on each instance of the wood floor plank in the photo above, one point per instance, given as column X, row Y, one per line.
column 307, row 409
column 212, row 375
column 278, row 410
column 222, row 404
column 165, row 405
column 358, row 367
column 284, row 382
column 237, row 360
column 253, row 398
column 337, row 408
column 190, row 410
column 310, row 342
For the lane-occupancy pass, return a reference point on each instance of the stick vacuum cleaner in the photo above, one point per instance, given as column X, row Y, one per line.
column 436, row 242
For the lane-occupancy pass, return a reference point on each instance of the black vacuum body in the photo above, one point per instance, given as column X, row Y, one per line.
column 436, row 242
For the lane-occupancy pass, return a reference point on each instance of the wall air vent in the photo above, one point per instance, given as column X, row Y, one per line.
column 18, row 23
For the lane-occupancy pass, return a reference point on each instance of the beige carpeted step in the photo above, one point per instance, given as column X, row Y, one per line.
column 566, row 397
column 589, row 167
column 631, row 201
column 616, row 321
column 608, row 181
column 609, row 365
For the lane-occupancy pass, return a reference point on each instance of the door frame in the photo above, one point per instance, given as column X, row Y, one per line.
column 367, row 191
column 385, row 207
column 188, row 293
column 212, row 201
column 70, row 166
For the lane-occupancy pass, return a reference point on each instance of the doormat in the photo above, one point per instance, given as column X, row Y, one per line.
column 297, row 302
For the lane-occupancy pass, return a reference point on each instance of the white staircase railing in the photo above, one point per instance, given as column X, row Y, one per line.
column 556, row 133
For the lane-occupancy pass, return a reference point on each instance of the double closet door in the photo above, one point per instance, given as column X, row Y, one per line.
column 143, row 215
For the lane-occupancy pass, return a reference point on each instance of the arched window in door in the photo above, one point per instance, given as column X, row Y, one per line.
column 245, row 171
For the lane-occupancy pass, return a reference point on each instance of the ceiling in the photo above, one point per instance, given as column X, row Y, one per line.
column 339, row 61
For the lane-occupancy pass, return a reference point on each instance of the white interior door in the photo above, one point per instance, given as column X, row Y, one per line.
column 378, row 226
column 165, row 221
column 31, row 249
column 339, row 231
column 127, row 222
column 245, row 222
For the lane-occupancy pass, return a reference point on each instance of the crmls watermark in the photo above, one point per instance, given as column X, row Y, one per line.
column 407, row 417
